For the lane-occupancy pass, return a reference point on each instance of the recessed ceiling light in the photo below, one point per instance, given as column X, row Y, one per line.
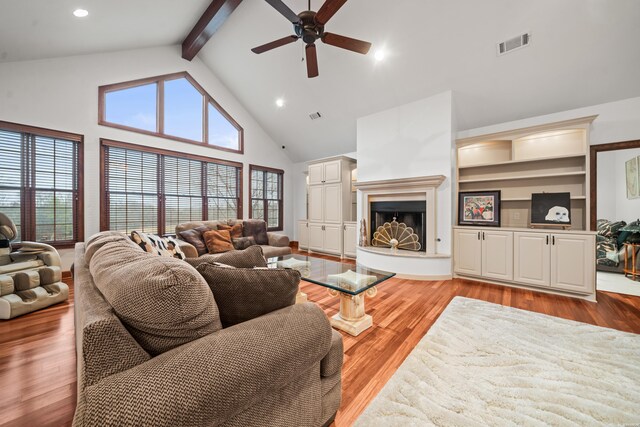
column 280, row 102
column 80, row 13
column 379, row 55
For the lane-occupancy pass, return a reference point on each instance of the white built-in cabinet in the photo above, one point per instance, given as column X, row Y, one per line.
column 559, row 261
column 485, row 253
column 330, row 206
column 349, row 239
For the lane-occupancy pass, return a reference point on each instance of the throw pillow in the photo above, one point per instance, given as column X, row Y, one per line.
column 243, row 242
column 218, row 241
column 195, row 238
column 256, row 228
column 243, row 294
column 235, row 230
column 248, row 258
column 164, row 302
column 156, row 245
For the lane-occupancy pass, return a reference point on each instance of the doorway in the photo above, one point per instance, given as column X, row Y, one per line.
column 613, row 202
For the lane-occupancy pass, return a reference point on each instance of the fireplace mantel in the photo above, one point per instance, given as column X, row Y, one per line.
column 402, row 184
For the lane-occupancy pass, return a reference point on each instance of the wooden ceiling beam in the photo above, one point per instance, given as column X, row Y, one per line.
column 212, row 19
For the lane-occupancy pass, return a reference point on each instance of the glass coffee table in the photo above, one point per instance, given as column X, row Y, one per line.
column 351, row 282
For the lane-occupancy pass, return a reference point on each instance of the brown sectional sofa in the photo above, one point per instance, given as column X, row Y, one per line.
column 278, row 243
column 279, row 369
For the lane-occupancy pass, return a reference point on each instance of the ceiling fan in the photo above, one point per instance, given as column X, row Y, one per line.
column 309, row 26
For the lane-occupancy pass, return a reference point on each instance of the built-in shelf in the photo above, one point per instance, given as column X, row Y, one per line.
column 511, row 162
column 532, row 176
column 528, row 199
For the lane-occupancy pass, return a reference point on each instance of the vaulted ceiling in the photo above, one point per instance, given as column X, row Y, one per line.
column 582, row 52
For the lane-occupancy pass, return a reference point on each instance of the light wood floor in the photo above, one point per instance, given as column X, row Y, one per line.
column 37, row 357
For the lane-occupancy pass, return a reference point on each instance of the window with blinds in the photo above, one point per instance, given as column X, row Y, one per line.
column 266, row 195
column 40, row 183
column 153, row 190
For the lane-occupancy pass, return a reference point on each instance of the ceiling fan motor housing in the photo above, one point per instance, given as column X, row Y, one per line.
column 308, row 29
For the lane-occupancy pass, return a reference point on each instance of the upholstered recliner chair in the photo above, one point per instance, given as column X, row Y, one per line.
column 30, row 278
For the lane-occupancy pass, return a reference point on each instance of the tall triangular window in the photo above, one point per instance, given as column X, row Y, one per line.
column 172, row 106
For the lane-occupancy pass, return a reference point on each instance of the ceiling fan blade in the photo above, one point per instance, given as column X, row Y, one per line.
column 274, row 44
column 328, row 9
column 284, row 10
column 348, row 43
column 312, row 60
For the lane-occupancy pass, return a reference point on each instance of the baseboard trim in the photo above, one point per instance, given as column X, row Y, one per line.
column 424, row 278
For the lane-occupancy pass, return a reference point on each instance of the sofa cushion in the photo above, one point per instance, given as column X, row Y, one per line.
column 256, row 228
column 25, row 280
column 244, row 293
column 162, row 301
column 156, row 245
column 248, row 258
column 242, row 243
column 235, row 230
column 194, row 237
column 218, row 241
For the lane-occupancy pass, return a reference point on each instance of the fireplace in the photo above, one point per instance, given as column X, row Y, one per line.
column 412, row 213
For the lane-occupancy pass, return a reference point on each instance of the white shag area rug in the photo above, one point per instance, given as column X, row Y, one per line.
column 486, row 364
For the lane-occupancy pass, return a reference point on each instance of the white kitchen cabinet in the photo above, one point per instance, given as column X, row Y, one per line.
column 303, row 235
column 558, row 261
column 329, row 193
column 532, row 258
column 332, row 203
column 467, row 252
column 573, row 262
column 484, row 253
column 349, row 239
column 497, row 254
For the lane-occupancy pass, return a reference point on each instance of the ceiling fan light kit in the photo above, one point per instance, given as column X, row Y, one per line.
column 309, row 26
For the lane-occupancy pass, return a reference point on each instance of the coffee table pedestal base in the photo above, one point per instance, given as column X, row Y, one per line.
column 301, row 297
column 352, row 318
column 352, row 327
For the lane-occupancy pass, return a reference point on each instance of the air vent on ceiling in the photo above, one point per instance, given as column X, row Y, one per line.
column 514, row 43
column 315, row 115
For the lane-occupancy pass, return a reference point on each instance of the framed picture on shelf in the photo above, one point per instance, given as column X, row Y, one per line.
column 551, row 209
column 479, row 208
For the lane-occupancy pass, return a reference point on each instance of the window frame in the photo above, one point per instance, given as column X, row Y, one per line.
column 159, row 132
column 28, row 215
column 280, row 173
column 104, row 205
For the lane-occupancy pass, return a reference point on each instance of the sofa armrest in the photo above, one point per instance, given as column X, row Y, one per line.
column 278, row 240
column 188, row 249
column 208, row 381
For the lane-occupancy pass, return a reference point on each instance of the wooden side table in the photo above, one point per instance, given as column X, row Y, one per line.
column 633, row 271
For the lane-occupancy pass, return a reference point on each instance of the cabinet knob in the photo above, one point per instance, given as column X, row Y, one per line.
column 478, row 235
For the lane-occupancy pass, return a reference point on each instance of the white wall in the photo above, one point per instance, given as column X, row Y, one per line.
column 408, row 141
column 612, row 191
column 62, row 94
column 617, row 121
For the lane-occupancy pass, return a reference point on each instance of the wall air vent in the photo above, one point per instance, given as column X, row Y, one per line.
column 315, row 115
column 514, row 43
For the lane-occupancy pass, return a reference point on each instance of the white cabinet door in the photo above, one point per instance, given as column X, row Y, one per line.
column 303, row 235
column 573, row 262
column 349, row 239
column 316, row 237
column 532, row 255
column 316, row 174
column 333, row 239
column 332, row 203
column 332, row 171
column 316, row 203
column 468, row 252
column 497, row 255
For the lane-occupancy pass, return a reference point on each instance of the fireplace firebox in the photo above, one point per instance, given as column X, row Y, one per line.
column 412, row 213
